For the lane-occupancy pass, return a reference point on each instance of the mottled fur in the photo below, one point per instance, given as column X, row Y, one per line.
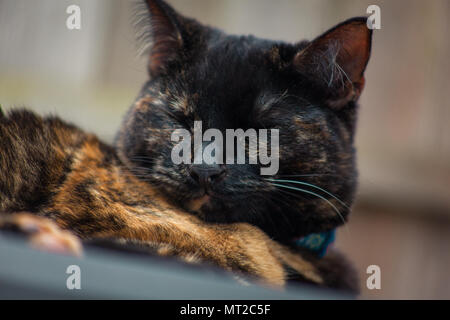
column 307, row 90
column 134, row 192
column 89, row 192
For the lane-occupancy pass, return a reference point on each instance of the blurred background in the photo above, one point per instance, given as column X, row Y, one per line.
column 401, row 220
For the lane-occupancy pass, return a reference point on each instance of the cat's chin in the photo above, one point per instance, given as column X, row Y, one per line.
column 196, row 204
column 204, row 201
column 209, row 208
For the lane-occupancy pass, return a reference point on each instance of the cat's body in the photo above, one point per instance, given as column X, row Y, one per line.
column 240, row 222
column 54, row 170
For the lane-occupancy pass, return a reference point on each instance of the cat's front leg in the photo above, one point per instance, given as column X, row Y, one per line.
column 42, row 233
column 240, row 248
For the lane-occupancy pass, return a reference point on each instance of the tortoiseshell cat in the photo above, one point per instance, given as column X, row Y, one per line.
column 228, row 215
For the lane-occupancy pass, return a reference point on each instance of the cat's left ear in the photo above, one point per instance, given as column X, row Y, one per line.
column 335, row 62
column 166, row 36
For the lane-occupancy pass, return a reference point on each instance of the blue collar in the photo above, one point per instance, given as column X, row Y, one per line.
column 317, row 242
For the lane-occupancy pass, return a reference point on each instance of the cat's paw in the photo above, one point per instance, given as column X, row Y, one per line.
column 42, row 233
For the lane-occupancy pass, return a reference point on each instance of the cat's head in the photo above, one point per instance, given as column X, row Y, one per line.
column 307, row 90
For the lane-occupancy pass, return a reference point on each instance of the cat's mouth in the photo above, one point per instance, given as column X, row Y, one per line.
column 197, row 203
column 204, row 199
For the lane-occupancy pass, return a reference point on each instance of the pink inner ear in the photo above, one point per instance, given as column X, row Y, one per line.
column 354, row 51
column 339, row 58
column 351, row 40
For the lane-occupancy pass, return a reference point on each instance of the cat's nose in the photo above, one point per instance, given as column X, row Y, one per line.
column 207, row 174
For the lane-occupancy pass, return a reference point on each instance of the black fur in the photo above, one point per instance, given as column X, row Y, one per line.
column 230, row 82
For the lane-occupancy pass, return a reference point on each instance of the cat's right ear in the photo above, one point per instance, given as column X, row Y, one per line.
column 334, row 63
column 165, row 35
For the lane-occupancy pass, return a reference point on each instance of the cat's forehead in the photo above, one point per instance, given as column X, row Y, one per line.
column 232, row 56
column 233, row 68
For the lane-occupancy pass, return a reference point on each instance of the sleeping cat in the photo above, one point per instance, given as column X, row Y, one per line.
column 74, row 186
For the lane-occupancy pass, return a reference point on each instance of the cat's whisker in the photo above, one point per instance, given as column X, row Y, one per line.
column 143, row 159
column 284, row 193
column 308, row 175
column 314, row 194
column 312, row 186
